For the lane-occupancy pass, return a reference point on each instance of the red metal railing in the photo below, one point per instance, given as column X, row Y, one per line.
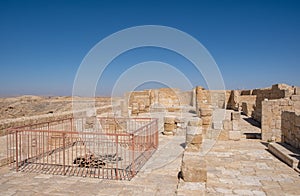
column 107, row 148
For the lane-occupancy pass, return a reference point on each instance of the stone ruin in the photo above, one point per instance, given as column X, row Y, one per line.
column 276, row 110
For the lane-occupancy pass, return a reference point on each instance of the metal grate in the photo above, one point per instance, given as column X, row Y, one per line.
column 106, row 148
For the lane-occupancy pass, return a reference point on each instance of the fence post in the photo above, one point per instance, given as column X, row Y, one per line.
column 133, row 158
column 64, row 146
column 156, row 133
column 117, row 156
column 17, row 154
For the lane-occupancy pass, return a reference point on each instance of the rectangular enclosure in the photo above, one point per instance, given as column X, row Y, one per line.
column 106, row 148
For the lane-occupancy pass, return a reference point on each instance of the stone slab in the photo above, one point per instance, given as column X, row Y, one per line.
column 283, row 152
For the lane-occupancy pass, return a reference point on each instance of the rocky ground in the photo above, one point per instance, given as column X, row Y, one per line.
column 29, row 105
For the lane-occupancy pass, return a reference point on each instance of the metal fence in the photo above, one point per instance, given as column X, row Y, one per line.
column 107, row 148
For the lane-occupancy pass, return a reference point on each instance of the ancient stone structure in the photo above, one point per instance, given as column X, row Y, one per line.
column 277, row 109
column 167, row 99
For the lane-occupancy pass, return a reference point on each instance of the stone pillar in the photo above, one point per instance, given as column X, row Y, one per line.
column 235, row 133
column 206, row 116
column 169, row 125
column 193, row 168
column 193, row 139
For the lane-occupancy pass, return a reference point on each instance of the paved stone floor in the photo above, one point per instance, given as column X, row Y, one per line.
column 247, row 168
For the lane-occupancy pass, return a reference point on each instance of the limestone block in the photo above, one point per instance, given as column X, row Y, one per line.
column 193, row 139
column 169, row 119
column 224, row 135
column 227, row 124
column 235, row 116
column 206, row 120
column 234, row 135
column 179, row 120
column 206, row 112
column 168, row 132
column 193, row 130
column 235, row 125
column 195, row 122
column 169, row 127
column 193, row 168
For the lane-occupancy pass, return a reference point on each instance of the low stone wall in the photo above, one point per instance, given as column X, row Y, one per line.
column 290, row 123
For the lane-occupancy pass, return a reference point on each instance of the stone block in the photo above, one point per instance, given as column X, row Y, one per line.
column 195, row 122
column 224, row 135
column 193, row 130
column 169, row 127
column 206, row 112
column 193, row 168
column 206, row 120
column 227, row 125
column 235, row 125
column 193, row 139
column 169, row 119
column 193, row 147
column 234, row 135
column 179, row 120
column 168, row 132
column 197, row 139
column 235, row 116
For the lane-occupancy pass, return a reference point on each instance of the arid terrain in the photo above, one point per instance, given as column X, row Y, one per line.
column 29, row 105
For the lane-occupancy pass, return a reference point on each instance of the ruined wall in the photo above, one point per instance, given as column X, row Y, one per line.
column 168, row 98
column 271, row 118
column 290, row 123
column 233, row 100
column 250, row 101
column 247, row 104
column 277, row 91
column 140, row 101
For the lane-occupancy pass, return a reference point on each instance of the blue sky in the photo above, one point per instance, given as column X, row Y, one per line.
column 42, row 43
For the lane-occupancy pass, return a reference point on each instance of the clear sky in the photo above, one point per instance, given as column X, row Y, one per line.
column 42, row 43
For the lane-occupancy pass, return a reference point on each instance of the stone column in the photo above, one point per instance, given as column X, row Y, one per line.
column 169, row 125
column 235, row 134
